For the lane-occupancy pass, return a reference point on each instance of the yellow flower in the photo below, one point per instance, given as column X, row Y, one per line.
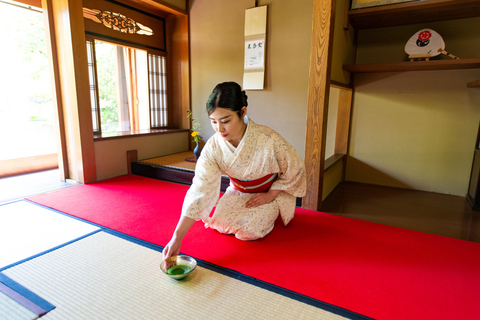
column 194, row 133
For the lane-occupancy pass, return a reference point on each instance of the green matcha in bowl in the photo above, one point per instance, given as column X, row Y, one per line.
column 178, row 267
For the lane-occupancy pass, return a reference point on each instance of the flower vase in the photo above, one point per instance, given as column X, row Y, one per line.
column 197, row 151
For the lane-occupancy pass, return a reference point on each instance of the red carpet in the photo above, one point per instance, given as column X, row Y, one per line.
column 375, row 270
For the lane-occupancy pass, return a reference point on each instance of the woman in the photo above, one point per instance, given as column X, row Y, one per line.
column 266, row 174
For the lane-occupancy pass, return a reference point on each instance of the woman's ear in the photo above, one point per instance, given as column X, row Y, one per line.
column 244, row 111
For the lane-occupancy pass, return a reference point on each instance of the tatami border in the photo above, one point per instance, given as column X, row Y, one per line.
column 222, row 270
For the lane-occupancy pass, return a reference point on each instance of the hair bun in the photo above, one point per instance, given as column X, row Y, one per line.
column 245, row 98
column 227, row 95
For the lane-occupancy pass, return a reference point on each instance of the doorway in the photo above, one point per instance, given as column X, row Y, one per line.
column 27, row 122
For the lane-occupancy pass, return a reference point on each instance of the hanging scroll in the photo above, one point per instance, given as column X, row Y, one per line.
column 255, row 45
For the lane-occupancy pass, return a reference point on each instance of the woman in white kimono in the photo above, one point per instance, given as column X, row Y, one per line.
column 266, row 174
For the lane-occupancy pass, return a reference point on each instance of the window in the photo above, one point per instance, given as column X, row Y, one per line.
column 158, row 96
column 127, row 88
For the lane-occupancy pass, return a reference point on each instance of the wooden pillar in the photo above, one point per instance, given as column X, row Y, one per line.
column 68, row 55
column 132, row 156
column 318, row 97
column 179, row 65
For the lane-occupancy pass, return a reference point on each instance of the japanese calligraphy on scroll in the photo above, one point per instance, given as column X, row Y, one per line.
column 255, row 45
column 254, row 53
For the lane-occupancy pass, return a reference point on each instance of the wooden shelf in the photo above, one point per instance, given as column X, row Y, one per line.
column 474, row 84
column 414, row 66
column 413, row 12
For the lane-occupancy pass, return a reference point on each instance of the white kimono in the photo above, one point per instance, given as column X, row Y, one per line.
column 261, row 152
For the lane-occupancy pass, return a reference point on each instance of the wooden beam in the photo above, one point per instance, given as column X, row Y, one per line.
column 473, row 84
column 413, row 12
column 66, row 33
column 444, row 64
column 14, row 167
column 32, row 3
column 346, row 9
column 159, row 6
column 318, row 97
column 50, row 35
column 179, row 67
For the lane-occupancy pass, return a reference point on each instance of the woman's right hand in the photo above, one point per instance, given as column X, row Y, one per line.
column 172, row 248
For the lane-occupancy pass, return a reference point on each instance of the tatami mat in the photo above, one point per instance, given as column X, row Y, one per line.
column 175, row 161
column 103, row 276
column 27, row 229
column 21, row 186
column 12, row 310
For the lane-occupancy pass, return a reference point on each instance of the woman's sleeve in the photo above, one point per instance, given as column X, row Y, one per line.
column 203, row 194
column 292, row 176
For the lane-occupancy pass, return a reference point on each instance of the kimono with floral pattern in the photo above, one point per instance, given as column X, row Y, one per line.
column 261, row 152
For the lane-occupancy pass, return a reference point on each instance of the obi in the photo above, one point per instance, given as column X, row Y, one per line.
column 254, row 186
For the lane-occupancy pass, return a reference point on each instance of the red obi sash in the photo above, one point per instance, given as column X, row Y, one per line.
column 254, row 186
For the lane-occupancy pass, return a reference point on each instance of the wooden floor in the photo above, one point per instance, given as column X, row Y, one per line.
column 440, row 214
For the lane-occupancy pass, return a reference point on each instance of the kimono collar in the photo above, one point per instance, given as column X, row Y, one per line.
column 239, row 147
column 230, row 156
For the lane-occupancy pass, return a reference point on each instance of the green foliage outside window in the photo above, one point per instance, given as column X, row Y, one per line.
column 108, row 84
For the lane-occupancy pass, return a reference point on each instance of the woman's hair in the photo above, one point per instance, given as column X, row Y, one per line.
column 227, row 95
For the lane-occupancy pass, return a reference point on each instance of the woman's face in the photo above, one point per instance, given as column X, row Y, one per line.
column 228, row 124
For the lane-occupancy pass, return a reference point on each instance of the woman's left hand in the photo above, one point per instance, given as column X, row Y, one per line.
column 262, row 198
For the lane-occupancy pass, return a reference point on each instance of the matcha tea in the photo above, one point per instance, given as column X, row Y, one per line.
column 178, row 269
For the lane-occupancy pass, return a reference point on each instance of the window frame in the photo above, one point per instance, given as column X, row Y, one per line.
column 163, row 55
column 92, row 55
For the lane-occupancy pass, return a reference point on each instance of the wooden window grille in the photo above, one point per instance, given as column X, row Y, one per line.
column 158, row 92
